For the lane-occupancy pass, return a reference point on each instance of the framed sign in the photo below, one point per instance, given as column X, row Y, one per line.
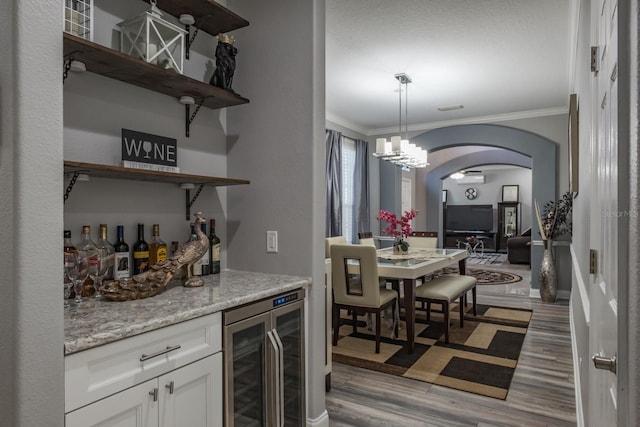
column 510, row 193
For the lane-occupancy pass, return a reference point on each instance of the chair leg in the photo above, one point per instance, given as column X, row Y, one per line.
column 354, row 316
column 428, row 311
column 396, row 315
column 336, row 323
column 461, row 311
column 473, row 293
column 377, row 331
column 445, row 307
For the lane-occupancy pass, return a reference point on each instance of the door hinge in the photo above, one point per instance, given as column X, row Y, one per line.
column 593, row 261
column 595, row 59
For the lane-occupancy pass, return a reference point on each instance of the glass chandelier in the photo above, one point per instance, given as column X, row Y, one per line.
column 400, row 151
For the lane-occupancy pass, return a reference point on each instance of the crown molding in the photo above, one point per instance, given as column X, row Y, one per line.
column 436, row 125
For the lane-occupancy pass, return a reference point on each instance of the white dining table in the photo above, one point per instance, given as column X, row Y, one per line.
column 408, row 268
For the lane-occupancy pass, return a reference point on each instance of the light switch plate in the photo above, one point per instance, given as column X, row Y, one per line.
column 272, row 241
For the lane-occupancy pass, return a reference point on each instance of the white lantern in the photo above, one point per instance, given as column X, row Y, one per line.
column 78, row 18
column 154, row 40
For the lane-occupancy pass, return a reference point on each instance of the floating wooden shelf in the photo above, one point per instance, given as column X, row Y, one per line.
column 116, row 65
column 209, row 15
column 107, row 171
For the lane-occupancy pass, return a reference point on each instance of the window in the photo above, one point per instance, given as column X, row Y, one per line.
column 348, row 185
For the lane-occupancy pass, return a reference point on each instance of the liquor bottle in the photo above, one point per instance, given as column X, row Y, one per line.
column 89, row 246
column 196, row 267
column 69, row 247
column 157, row 248
column 140, row 253
column 122, row 259
column 102, row 242
column 206, row 266
column 214, row 249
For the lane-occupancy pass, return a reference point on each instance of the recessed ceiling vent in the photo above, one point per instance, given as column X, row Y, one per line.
column 451, row 107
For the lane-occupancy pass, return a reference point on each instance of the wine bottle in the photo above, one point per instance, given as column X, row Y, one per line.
column 140, row 253
column 157, row 248
column 69, row 247
column 196, row 267
column 122, row 259
column 182, row 272
column 103, row 243
column 88, row 245
column 206, row 266
column 214, row 249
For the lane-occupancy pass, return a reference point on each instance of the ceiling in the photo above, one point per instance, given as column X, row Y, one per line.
column 501, row 59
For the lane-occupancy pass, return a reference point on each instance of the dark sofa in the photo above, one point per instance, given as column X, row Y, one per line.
column 519, row 248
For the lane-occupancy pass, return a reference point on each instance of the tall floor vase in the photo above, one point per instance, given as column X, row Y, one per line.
column 547, row 279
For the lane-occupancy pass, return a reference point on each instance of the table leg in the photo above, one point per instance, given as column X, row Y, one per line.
column 462, row 266
column 410, row 311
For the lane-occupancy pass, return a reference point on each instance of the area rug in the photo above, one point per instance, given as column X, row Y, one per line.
column 481, row 357
column 487, row 277
column 488, row 258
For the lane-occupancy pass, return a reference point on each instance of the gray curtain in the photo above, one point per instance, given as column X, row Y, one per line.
column 361, row 221
column 333, row 177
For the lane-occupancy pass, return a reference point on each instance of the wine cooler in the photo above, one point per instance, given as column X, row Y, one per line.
column 264, row 362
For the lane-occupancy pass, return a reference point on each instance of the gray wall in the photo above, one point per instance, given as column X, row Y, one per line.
column 31, row 357
column 277, row 141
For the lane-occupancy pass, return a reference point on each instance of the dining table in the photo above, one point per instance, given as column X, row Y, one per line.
column 412, row 266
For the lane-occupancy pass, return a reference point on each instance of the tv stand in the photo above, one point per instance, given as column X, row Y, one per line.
column 453, row 236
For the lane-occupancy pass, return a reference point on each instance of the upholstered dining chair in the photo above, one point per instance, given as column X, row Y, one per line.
column 354, row 272
column 328, row 241
column 366, row 238
column 423, row 239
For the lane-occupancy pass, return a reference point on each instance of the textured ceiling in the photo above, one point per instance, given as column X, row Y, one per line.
column 498, row 58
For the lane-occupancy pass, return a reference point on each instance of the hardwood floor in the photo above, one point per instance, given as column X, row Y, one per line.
column 541, row 393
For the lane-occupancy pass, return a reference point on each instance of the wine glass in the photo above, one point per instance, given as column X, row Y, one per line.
column 100, row 270
column 76, row 266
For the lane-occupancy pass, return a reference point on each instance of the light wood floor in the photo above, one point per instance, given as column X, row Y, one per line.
column 541, row 393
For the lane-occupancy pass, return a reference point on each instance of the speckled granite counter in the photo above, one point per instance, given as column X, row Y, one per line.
column 96, row 322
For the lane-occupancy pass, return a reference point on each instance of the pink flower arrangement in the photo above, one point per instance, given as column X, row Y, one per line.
column 399, row 228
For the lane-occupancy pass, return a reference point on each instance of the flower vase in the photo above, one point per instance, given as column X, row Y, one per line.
column 400, row 247
column 547, row 279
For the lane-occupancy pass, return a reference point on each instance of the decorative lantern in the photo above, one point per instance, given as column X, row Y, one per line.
column 78, row 18
column 154, row 40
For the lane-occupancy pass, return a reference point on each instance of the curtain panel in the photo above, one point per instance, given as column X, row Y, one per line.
column 333, row 179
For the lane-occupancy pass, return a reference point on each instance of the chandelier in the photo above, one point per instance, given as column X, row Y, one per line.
column 400, row 151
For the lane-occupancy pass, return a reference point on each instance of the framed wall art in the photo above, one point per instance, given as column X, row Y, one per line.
column 573, row 144
column 510, row 193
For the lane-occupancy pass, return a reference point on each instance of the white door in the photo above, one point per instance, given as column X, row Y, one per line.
column 192, row 395
column 134, row 407
column 603, row 331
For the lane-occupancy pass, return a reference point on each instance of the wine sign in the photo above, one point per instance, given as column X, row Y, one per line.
column 145, row 151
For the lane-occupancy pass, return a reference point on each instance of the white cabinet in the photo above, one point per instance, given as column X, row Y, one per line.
column 168, row 377
column 189, row 396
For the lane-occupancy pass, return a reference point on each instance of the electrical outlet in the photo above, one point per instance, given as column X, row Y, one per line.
column 272, row 241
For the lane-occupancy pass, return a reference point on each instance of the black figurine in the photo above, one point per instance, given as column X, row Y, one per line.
column 225, row 62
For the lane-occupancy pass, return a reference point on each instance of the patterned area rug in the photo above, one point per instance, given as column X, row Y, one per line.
column 487, row 277
column 488, row 258
column 481, row 357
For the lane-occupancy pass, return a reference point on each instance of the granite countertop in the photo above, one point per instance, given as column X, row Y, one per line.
column 96, row 322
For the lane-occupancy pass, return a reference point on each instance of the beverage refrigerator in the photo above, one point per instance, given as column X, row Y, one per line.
column 264, row 362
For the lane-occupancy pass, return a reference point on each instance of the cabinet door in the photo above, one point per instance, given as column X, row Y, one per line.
column 134, row 407
column 192, row 395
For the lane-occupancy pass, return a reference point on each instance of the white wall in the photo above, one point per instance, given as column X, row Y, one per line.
column 31, row 357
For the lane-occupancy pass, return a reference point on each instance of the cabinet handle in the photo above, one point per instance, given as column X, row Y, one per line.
column 158, row 353
column 276, row 350
column 154, row 393
column 170, row 387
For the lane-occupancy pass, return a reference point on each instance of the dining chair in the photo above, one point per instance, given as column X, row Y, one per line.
column 423, row 239
column 354, row 274
column 366, row 238
column 336, row 240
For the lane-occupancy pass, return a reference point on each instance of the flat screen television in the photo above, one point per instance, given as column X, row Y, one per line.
column 469, row 218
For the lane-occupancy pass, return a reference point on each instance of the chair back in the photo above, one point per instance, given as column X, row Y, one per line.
column 423, row 239
column 337, row 240
column 366, row 238
column 354, row 274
